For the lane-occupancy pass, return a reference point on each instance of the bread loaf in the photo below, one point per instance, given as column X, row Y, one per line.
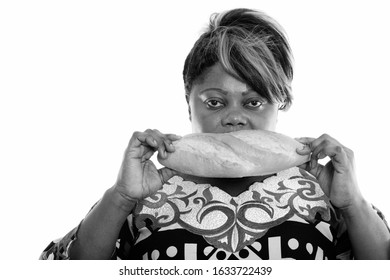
column 235, row 154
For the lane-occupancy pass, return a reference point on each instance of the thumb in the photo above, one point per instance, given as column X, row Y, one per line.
column 166, row 174
column 316, row 171
column 305, row 149
column 304, row 140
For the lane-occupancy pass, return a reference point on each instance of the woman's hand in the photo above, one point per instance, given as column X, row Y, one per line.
column 337, row 178
column 138, row 176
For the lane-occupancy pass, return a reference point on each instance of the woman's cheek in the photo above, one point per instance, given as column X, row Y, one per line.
column 204, row 122
column 210, row 123
column 268, row 118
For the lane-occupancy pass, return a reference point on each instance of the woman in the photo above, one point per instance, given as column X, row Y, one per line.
column 237, row 77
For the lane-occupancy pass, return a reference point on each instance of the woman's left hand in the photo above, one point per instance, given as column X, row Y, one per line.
column 337, row 178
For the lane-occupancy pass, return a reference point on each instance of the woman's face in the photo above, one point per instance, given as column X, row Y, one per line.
column 220, row 103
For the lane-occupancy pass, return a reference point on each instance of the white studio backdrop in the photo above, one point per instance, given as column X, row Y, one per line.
column 77, row 78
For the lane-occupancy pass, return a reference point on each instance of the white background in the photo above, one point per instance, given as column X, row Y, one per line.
column 77, row 78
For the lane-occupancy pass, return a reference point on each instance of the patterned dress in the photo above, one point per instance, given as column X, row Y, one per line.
column 287, row 216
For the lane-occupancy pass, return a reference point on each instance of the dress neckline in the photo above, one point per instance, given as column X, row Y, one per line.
column 231, row 186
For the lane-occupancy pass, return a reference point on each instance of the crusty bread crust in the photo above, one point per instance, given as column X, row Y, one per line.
column 236, row 154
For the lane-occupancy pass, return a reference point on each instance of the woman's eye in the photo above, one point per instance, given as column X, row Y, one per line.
column 254, row 104
column 214, row 104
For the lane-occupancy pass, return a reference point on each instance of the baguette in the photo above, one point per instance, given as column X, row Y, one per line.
column 235, row 154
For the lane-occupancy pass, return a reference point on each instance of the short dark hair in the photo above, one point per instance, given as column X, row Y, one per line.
column 251, row 47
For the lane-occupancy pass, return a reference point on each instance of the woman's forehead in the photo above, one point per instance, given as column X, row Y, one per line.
column 216, row 77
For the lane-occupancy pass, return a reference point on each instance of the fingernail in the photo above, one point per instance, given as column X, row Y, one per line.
column 305, row 147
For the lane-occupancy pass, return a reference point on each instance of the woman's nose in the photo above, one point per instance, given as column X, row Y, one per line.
column 235, row 119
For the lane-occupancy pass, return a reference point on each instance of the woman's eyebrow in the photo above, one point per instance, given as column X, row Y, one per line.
column 226, row 92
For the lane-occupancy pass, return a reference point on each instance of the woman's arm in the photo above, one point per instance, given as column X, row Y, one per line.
column 100, row 229
column 369, row 235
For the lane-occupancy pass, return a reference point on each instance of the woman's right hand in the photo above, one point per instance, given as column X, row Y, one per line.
column 138, row 176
